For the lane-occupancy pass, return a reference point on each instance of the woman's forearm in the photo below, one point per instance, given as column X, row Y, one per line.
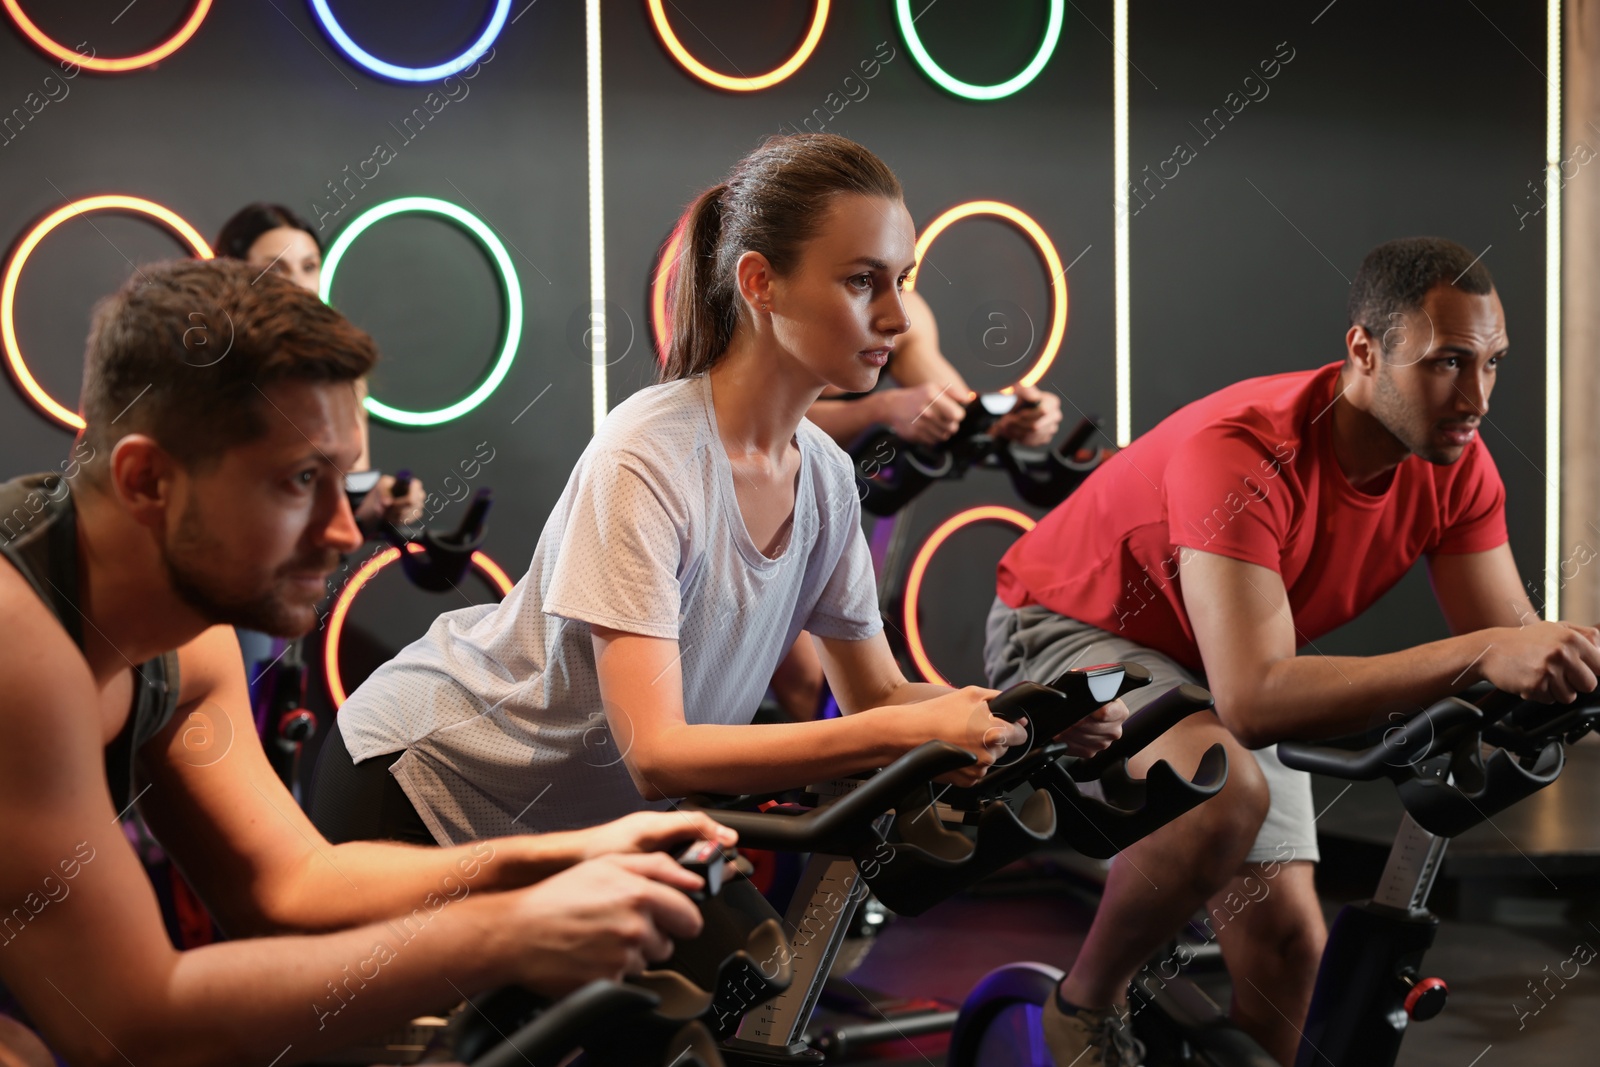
column 763, row 758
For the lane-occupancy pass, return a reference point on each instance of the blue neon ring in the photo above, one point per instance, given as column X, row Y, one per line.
column 357, row 54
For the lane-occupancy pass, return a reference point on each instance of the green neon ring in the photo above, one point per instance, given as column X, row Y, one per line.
column 943, row 78
column 508, row 278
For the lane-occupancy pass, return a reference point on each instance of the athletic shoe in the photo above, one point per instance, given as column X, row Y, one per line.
column 1079, row 1037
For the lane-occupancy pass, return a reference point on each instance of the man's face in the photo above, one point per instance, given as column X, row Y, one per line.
column 257, row 533
column 1436, row 370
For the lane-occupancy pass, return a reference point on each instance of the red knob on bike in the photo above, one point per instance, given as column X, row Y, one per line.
column 1426, row 999
column 297, row 725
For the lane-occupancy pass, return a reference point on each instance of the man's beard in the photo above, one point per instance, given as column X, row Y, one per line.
column 264, row 610
column 1391, row 409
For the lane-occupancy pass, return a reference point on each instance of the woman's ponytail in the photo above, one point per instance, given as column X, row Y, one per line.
column 702, row 301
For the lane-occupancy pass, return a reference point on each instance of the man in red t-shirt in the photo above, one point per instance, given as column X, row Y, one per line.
column 1244, row 527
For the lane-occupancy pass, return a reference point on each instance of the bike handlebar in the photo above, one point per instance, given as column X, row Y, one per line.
column 845, row 825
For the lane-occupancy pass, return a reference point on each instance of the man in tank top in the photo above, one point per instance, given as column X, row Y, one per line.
column 207, row 492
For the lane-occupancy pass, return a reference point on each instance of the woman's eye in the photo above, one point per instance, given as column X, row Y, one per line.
column 862, row 281
column 305, row 478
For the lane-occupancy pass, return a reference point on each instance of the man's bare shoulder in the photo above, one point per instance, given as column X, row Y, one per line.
column 49, row 699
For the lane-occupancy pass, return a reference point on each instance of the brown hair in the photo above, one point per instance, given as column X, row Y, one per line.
column 772, row 202
column 183, row 349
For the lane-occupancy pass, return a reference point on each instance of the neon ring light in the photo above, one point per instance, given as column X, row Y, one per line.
column 1047, row 252
column 660, row 315
column 945, row 80
column 919, row 570
column 512, row 287
column 487, row 568
column 357, row 54
column 108, row 65
column 739, row 84
column 8, row 289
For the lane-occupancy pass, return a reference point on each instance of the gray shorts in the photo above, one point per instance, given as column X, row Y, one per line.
column 1037, row 644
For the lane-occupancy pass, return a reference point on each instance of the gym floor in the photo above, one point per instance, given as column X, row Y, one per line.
column 1487, row 965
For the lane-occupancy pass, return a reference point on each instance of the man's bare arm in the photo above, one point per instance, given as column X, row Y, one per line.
column 263, row 867
column 1479, row 590
column 1266, row 693
column 85, row 952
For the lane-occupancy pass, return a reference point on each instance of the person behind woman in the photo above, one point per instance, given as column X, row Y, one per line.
column 924, row 406
column 272, row 238
column 704, row 526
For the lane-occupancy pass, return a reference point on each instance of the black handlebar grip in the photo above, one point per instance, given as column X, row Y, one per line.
column 1021, row 700
column 1149, row 723
column 1425, row 734
column 839, row 828
column 1079, row 436
column 705, row 858
column 471, row 528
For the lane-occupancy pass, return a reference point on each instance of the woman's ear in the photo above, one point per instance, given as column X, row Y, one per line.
column 755, row 278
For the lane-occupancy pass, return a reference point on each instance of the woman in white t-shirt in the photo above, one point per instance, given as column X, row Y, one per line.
column 706, row 524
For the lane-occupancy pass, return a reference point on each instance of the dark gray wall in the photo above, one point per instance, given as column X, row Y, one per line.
column 1389, row 120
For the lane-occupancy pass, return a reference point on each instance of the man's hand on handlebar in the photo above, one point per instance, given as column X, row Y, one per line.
column 605, row 918
column 652, row 831
column 1034, row 421
column 924, row 414
column 1089, row 735
column 1551, row 662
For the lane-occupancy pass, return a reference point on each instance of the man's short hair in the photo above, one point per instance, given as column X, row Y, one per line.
column 183, row 350
column 1395, row 276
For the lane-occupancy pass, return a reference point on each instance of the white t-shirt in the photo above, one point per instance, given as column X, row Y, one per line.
column 498, row 706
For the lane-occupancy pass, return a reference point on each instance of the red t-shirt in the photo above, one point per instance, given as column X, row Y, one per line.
column 1249, row 473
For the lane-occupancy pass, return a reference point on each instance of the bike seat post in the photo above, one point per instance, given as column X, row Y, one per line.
column 829, row 891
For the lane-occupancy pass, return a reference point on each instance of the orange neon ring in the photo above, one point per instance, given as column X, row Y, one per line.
column 919, row 569
column 8, row 289
column 660, row 318
column 1047, row 252
column 341, row 607
column 728, row 81
column 111, row 65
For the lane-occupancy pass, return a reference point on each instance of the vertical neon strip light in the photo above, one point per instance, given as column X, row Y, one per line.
column 1552, row 314
column 1119, row 127
column 597, row 217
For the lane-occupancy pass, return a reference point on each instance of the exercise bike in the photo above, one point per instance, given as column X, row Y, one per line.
column 942, row 840
column 1454, row 766
column 891, row 472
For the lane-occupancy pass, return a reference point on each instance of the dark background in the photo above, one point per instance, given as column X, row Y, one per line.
column 1390, row 120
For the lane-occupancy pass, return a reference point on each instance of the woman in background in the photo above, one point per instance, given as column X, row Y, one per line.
column 270, row 237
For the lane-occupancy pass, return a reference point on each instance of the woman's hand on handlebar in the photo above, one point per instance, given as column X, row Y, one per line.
column 604, row 918
column 923, row 414
column 652, row 831
column 963, row 719
column 1034, row 426
column 382, row 505
column 1089, row 735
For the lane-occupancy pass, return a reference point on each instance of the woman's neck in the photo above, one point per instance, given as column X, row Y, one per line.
column 760, row 396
